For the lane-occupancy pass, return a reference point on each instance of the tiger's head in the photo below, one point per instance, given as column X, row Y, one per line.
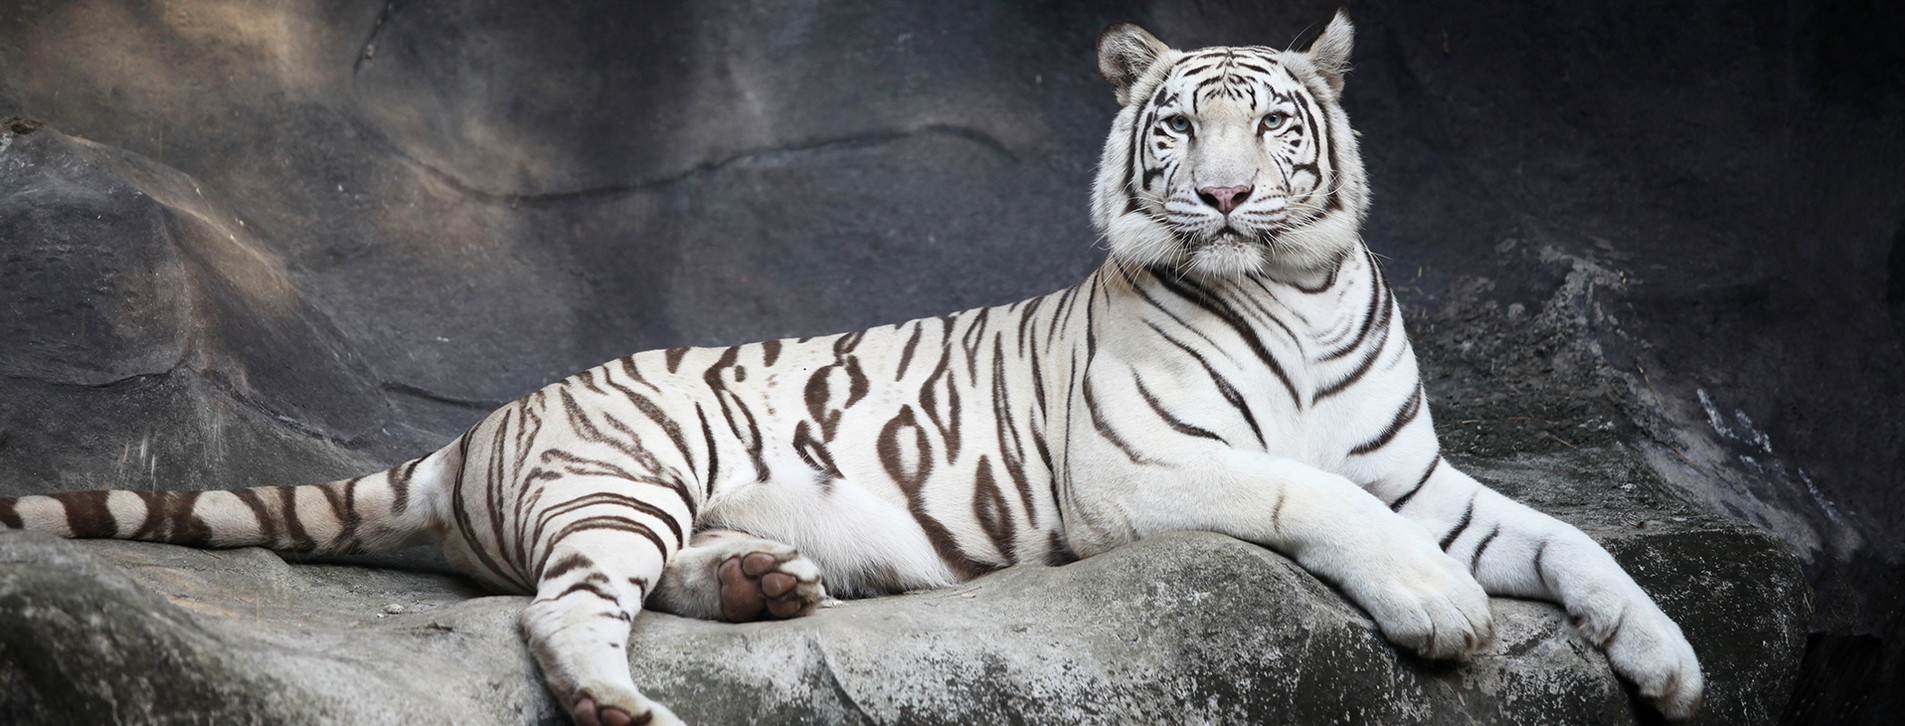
column 1229, row 161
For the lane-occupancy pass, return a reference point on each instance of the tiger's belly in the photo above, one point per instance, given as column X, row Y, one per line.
column 864, row 543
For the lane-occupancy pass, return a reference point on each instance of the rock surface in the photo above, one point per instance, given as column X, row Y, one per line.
column 1654, row 257
column 1187, row 628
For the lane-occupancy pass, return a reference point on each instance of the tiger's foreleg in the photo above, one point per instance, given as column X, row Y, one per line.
column 728, row 575
column 1420, row 597
column 1514, row 550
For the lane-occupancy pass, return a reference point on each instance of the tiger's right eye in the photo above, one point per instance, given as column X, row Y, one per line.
column 1178, row 123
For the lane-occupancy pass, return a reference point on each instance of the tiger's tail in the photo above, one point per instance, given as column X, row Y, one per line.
column 381, row 511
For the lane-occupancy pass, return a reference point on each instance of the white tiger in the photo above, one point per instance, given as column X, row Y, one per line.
column 1237, row 365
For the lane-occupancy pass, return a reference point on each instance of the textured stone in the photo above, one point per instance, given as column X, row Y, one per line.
column 1187, row 628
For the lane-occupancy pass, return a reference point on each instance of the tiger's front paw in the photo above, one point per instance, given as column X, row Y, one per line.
column 1421, row 599
column 1646, row 647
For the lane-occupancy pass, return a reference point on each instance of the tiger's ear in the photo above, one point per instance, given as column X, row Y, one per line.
column 1125, row 52
column 1329, row 52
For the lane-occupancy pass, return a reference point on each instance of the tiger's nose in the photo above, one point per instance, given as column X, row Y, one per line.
column 1224, row 198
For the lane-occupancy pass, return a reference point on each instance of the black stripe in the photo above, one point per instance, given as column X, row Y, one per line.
column 1377, row 293
column 1202, row 298
column 293, row 526
column 461, row 514
column 1406, row 414
column 87, row 514
column 495, row 496
column 1263, row 312
column 814, row 453
column 1223, row 387
column 658, row 416
column 994, row 516
column 1396, row 506
column 590, row 588
column 847, row 342
column 714, row 453
column 911, row 483
column 1026, row 316
column 599, row 499
column 1276, row 513
column 1362, row 368
column 399, row 481
column 1169, row 420
column 729, row 404
column 1104, row 429
column 1540, row 552
column 1011, row 444
column 1476, row 558
column 973, row 341
column 589, row 524
column 580, row 466
column 1468, row 515
column 571, row 561
column 948, row 424
column 1057, row 553
column 348, row 517
column 906, row 353
column 1329, row 281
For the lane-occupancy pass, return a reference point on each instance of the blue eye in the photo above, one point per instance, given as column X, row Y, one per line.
column 1273, row 120
column 1178, row 123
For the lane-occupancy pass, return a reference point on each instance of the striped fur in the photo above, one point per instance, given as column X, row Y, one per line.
column 1243, row 372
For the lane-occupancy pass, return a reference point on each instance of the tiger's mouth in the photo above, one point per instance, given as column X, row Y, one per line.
column 1227, row 236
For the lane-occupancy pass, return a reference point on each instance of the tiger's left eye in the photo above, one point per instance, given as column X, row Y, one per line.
column 1178, row 123
column 1273, row 119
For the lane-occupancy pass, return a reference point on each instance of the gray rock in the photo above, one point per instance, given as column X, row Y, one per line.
column 1185, row 628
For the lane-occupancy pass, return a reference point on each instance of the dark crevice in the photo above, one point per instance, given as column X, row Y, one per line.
column 829, row 674
column 429, row 395
column 106, row 384
column 21, row 125
column 369, row 49
column 856, row 141
column 1895, row 283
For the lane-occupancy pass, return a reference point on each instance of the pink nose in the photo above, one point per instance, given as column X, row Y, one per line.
column 1224, row 198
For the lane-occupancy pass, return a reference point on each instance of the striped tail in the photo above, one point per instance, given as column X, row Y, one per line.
column 380, row 511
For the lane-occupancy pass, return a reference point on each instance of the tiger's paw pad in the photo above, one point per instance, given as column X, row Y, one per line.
column 773, row 582
column 587, row 712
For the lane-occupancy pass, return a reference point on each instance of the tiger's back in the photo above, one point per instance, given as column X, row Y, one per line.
column 901, row 457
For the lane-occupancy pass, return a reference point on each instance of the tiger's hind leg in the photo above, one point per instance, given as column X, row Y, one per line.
column 599, row 545
column 730, row 575
column 578, row 625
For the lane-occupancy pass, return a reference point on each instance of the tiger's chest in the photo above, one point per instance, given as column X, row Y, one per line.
column 1304, row 374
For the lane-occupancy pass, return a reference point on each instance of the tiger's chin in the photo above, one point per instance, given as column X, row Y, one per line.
column 1228, row 256
column 1300, row 254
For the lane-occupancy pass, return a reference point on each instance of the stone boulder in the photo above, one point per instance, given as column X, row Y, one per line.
column 1184, row 628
